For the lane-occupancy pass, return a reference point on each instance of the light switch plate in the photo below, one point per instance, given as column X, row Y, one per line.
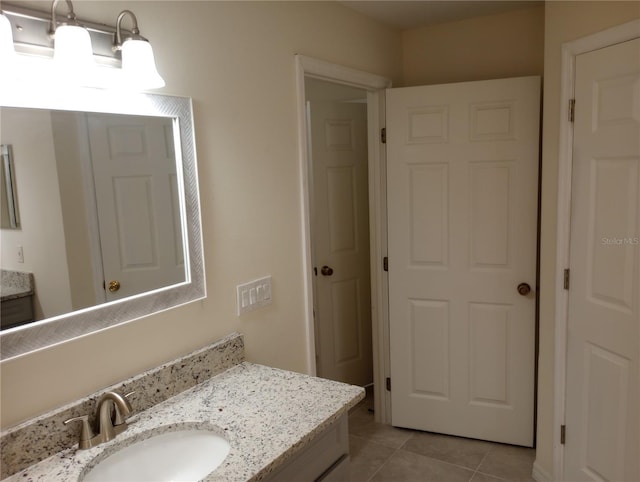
column 253, row 295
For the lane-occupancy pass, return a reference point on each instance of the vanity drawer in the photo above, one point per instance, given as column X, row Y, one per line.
column 338, row 472
column 325, row 459
column 16, row 312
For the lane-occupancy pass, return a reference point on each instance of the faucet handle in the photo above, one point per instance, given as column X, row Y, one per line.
column 86, row 434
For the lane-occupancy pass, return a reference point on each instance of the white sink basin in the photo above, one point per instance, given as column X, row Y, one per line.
column 171, row 456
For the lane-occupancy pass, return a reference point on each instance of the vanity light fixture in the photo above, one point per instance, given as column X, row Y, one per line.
column 138, row 63
column 7, row 52
column 72, row 44
column 85, row 54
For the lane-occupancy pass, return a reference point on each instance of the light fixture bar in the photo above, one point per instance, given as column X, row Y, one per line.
column 31, row 34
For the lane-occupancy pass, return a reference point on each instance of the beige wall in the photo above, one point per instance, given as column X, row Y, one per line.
column 41, row 228
column 72, row 148
column 494, row 46
column 236, row 60
column 564, row 21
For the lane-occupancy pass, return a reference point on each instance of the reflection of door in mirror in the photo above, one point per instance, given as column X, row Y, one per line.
column 68, row 246
column 136, row 188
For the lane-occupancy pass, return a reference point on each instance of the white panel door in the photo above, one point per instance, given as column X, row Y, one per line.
column 602, row 399
column 134, row 170
column 341, row 241
column 462, row 214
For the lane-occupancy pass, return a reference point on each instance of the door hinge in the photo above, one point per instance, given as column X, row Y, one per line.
column 383, row 135
column 385, row 263
column 567, row 276
column 388, row 384
column 572, row 110
column 563, row 433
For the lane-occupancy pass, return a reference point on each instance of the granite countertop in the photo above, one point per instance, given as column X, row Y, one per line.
column 12, row 293
column 15, row 284
column 267, row 415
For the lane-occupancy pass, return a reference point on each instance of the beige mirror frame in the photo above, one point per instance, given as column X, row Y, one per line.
column 41, row 334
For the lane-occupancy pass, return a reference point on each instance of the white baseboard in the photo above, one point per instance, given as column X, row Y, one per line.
column 539, row 474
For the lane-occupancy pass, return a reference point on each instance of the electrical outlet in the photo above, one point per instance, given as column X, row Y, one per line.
column 253, row 295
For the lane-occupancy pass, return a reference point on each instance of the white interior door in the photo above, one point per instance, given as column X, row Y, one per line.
column 602, row 400
column 341, row 241
column 134, row 170
column 462, row 214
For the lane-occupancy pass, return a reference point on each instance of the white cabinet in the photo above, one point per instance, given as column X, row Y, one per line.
column 325, row 459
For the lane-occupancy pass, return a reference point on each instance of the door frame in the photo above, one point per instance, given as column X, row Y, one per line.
column 91, row 208
column 570, row 50
column 375, row 86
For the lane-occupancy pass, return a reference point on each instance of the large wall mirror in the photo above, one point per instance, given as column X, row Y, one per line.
column 107, row 188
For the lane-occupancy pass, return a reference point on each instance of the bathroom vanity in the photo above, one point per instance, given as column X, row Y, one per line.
column 280, row 425
column 16, row 290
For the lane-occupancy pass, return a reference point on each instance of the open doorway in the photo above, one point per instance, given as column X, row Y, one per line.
column 374, row 86
column 339, row 216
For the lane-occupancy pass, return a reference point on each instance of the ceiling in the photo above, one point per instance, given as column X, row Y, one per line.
column 404, row 14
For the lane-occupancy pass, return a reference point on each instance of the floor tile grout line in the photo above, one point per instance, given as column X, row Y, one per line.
column 364, row 411
column 480, row 464
column 400, row 448
column 491, row 447
column 443, row 461
column 473, row 471
column 493, row 476
column 395, row 451
column 383, row 464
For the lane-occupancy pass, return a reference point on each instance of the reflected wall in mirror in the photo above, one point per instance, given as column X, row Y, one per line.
column 110, row 216
column 108, row 185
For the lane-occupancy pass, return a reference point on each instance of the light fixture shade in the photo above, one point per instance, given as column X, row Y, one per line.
column 72, row 50
column 139, row 65
column 7, row 52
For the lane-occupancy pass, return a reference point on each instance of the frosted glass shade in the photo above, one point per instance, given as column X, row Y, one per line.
column 73, row 49
column 139, row 66
column 7, row 52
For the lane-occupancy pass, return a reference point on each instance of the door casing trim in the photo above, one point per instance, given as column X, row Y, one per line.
column 570, row 50
column 375, row 86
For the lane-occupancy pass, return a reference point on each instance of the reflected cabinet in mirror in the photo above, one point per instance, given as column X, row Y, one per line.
column 109, row 213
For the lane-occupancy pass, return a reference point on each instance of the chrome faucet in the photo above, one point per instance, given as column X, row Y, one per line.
column 112, row 410
column 108, row 428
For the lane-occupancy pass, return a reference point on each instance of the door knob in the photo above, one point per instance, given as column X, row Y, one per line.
column 326, row 271
column 114, row 286
column 524, row 289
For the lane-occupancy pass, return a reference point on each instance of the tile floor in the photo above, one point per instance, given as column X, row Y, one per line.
column 383, row 453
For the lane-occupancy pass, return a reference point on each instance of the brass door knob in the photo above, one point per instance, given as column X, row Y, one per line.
column 114, row 286
column 524, row 289
column 326, row 271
